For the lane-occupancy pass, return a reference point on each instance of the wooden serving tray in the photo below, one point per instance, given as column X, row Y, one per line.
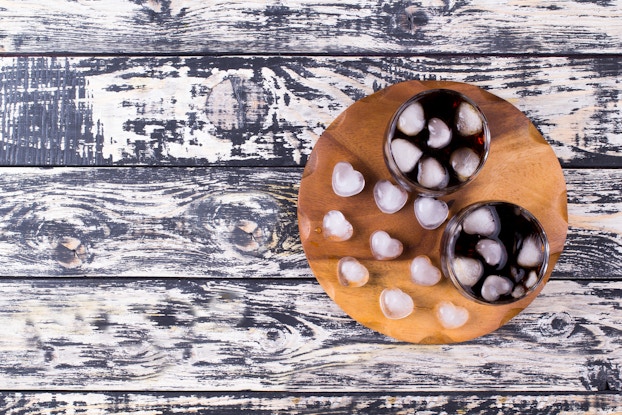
column 521, row 168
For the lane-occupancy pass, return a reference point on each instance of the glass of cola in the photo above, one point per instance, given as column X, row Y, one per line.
column 436, row 142
column 494, row 252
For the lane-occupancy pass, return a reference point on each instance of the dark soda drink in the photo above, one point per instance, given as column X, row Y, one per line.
column 437, row 142
column 495, row 252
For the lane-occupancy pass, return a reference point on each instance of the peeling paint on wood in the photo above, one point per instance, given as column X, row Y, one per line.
column 186, row 26
column 276, row 336
column 269, row 111
column 220, row 223
column 316, row 403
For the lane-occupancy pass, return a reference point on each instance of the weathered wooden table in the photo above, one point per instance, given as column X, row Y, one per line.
column 157, row 267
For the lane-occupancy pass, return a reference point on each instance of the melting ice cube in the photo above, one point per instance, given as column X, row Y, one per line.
column 336, row 227
column 395, row 303
column 346, row 180
column 468, row 120
column 468, row 270
column 351, row 273
column 412, row 120
column 518, row 291
column 492, row 251
column 432, row 174
column 389, row 198
column 495, row 286
column 430, row 212
column 440, row 133
column 384, row 247
column 405, row 154
column 531, row 253
column 451, row 316
column 482, row 221
column 422, row 272
column 464, row 161
column 532, row 279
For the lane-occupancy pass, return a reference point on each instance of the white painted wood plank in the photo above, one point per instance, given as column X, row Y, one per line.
column 288, row 336
column 271, row 110
column 191, row 26
column 220, row 223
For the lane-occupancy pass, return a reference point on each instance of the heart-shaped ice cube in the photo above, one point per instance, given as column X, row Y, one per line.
column 405, row 154
column 351, row 273
column 467, row 270
column 451, row 316
column 430, row 212
column 389, row 197
column 412, row 120
column 531, row 253
column 395, row 303
column 422, row 271
column 440, row 133
column 432, row 174
column 495, row 286
column 336, row 227
column 347, row 181
column 384, row 247
column 468, row 120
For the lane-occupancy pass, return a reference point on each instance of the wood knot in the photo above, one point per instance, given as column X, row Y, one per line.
column 70, row 252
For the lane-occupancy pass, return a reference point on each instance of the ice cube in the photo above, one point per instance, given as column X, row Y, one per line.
column 336, row 227
column 351, row 273
column 468, row 120
column 412, row 120
column 518, row 291
column 395, row 303
column 517, row 273
column 422, row 272
column 430, row 212
column 464, row 161
column 451, row 316
column 347, row 181
column 532, row 279
column 389, row 198
column 384, row 247
column 432, row 174
column 531, row 253
column 482, row 221
column 467, row 270
column 440, row 133
column 492, row 251
column 495, row 286
column 405, row 154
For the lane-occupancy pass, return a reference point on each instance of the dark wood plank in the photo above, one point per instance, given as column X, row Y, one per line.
column 221, row 223
column 310, row 27
column 269, row 111
column 315, row 403
column 117, row 334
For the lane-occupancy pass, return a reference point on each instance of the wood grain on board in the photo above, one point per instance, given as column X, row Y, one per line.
column 233, row 403
column 191, row 26
column 221, row 223
column 521, row 168
column 270, row 111
column 268, row 335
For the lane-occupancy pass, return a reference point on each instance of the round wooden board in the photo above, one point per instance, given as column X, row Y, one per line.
column 522, row 168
